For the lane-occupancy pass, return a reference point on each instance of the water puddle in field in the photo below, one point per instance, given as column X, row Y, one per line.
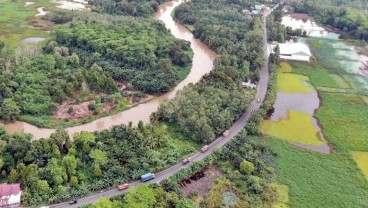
column 308, row 24
column 33, row 40
column 293, row 118
column 41, row 11
column 28, row 3
column 71, row 5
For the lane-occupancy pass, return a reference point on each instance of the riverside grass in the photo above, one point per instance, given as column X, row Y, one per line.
column 13, row 20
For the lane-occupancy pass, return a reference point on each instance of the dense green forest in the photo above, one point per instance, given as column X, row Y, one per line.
column 145, row 196
column 208, row 108
column 247, row 180
column 132, row 8
column 57, row 168
column 347, row 16
column 132, row 49
column 87, row 58
column 140, row 52
column 223, row 27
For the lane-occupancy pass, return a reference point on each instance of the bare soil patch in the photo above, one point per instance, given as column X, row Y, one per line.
column 201, row 182
column 39, row 22
column 79, row 110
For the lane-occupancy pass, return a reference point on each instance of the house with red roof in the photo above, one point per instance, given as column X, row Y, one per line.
column 10, row 195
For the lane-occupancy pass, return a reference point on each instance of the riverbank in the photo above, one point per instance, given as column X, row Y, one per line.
column 50, row 122
column 202, row 64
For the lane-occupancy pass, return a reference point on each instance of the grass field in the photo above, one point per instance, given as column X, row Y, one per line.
column 361, row 159
column 344, row 119
column 297, row 127
column 293, row 83
column 318, row 180
column 339, row 179
column 13, row 20
column 318, row 76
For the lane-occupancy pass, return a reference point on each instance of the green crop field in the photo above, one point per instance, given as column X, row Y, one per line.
column 319, row 180
column 339, row 179
column 361, row 159
column 296, row 128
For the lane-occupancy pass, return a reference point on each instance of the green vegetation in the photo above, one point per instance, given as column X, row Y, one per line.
column 83, row 61
column 318, row 76
column 89, row 163
column 254, row 188
column 318, row 180
column 293, row 83
column 297, row 127
column 204, row 111
column 343, row 118
column 144, row 8
column 13, row 20
column 223, row 27
column 145, row 196
column 361, row 159
column 141, row 53
column 208, row 108
column 347, row 16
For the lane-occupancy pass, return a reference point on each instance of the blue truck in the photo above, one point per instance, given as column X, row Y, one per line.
column 147, row 177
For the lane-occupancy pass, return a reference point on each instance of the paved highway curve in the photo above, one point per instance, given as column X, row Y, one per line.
column 219, row 142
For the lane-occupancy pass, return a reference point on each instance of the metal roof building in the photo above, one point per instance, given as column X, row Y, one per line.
column 295, row 51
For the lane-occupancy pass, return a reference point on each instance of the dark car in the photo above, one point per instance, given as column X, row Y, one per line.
column 74, row 201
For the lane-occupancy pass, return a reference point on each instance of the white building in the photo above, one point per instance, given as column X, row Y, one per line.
column 9, row 195
column 295, row 51
column 249, row 85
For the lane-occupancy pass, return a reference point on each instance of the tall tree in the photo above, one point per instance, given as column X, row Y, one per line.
column 9, row 110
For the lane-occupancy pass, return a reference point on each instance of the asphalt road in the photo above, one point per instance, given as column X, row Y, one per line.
column 219, row 142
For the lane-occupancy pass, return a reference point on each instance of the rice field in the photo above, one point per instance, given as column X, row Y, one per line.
column 295, row 104
column 342, row 61
column 293, row 83
column 361, row 159
column 297, row 127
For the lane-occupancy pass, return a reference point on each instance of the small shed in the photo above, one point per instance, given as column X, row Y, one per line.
column 9, row 194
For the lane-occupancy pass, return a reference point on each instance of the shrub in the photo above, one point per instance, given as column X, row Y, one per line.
column 246, row 167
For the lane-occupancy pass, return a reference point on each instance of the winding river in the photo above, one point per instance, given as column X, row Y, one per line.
column 202, row 64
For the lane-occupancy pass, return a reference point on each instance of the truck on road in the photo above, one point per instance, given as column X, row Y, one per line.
column 204, row 149
column 147, row 177
column 123, row 186
column 225, row 133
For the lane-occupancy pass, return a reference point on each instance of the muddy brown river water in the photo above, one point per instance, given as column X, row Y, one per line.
column 202, row 64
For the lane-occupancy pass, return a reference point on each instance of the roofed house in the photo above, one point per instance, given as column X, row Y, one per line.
column 295, row 51
column 9, row 195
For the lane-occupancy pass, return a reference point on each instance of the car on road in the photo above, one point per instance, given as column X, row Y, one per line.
column 123, row 186
column 258, row 100
column 74, row 201
column 204, row 149
column 147, row 177
column 186, row 161
column 225, row 133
